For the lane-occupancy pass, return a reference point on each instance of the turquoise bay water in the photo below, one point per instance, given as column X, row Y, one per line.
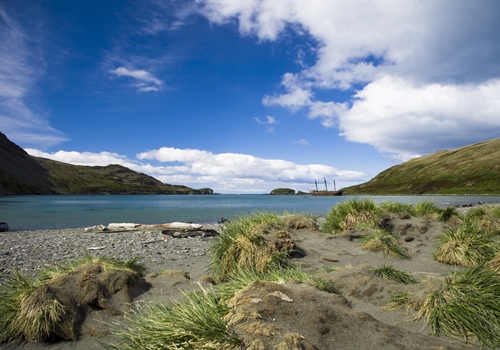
column 52, row 212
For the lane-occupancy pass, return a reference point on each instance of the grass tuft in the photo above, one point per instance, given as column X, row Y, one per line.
column 241, row 244
column 448, row 213
column 29, row 309
column 382, row 241
column 393, row 274
column 397, row 208
column 108, row 264
column 13, row 292
column 466, row 245
column 350, row 214
column 466, row 306
column 494, row 263
column 426, row 209
column 197, row 323
column 399, row 301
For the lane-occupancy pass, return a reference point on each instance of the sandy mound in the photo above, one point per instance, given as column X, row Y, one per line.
column 78, row 293
column 298, row 316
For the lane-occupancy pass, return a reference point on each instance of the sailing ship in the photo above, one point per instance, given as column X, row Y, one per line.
column 326, row 192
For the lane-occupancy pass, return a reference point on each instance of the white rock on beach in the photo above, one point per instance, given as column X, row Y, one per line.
column 182, row 225
column 122, row 226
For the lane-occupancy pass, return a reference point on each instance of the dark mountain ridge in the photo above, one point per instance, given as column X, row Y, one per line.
column 21, row 173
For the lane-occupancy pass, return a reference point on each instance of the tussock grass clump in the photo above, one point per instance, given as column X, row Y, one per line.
column 107, row 263
column 448, row 213
column 494, row 263
column 382, row 241
column 466, row 306
column 466, row 245
column 495, row 212
column 16, row 289
column 476, row 213
column 397, row 208
column 197, row 323
column 393, row 274
column 350, row 214
column 410, row 302
column 52, row 305
column 242, row 244
column 398, row 301
column 426, row 209
column 485, row 218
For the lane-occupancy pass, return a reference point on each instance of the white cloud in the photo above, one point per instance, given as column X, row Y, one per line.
column 431, row 115
column 21, row 65
column 425, row 48
column 145, row 82
column 302, row 142
column 224, row 172
column 268, row 122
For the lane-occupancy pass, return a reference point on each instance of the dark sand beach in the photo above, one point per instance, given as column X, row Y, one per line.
column 357, row 318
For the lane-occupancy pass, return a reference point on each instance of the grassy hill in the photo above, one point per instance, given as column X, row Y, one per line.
column 21, row 173
column 473, row 169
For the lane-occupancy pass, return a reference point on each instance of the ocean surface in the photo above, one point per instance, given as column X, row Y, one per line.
column 53, row 212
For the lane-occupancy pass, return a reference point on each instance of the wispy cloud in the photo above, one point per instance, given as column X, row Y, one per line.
column 144, row 81
column 21, row 65
column 224, row 172
column 302, row 142
column 268, row 122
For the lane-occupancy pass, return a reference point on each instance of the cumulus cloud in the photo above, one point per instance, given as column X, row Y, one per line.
column 432, row 115
column 144, row 81
column 387, row 51
column 21, row 66
column 224, row 172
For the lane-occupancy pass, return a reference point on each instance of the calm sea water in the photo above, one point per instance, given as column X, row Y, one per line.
column 52, row 212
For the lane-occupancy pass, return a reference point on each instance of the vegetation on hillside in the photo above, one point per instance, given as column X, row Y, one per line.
column 283, row 191
column 472, row 169
column 111, row 179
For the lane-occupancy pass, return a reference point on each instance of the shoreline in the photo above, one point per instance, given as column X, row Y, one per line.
column 29, row 251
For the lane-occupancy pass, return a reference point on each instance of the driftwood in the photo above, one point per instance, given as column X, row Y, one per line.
column 190, row 233
column 96, row 248
column 329, row 259
column 154, row 241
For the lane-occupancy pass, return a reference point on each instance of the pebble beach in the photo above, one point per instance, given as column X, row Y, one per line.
column 30, row 251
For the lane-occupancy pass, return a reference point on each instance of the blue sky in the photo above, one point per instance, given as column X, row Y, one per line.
column 247, row 96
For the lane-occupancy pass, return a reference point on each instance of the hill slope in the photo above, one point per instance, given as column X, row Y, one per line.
column 21, row 173
column 473, row 169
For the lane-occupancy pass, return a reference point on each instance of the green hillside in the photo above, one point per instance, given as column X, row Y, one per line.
column 473, row 169
column 111, row 179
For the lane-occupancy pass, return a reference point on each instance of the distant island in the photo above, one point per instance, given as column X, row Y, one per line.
column 473, row 169
column 286, row 192
column 21, row 173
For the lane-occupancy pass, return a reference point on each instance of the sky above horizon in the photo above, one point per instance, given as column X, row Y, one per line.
column 248, row 96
